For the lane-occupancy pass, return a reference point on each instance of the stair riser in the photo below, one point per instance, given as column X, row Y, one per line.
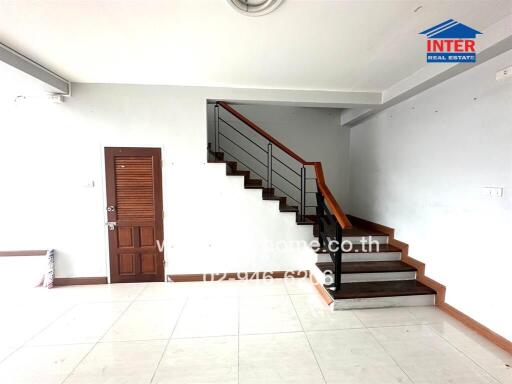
column 378, row 276
column 384, row 302
column 371, row 256
column 364, row 277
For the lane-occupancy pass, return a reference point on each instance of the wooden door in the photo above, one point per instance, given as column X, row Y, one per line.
column 134, row 210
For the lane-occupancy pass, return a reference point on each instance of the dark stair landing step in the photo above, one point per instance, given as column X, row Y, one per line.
column 380, row 289
column 358, row 248
column 304, row 220
column 354, row 231
column 368, row 267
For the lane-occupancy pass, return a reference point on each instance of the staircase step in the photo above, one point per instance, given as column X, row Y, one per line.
column 304, row 220
column 230, row 172
column 354, row 235
column 360, row 257
column 216, row 155
column 269, row 194
column 230, row 164
column 253, row 182
column 374, row 289
column 368, row 267
column 354, row 231
column 358, row 248
column 288, row 208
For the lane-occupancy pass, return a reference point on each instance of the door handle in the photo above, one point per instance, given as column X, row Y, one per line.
column 111, row 208
column 111, row 225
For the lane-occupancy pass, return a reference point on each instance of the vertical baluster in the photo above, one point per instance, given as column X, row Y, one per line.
column 319, row 217
column 216, row 133
column 304, row 202
column 269, row 165
column 301, row 212
column 337, row 258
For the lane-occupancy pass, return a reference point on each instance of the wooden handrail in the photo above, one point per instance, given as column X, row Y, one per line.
column 329, row 198
column 320, row 179
column 262, row 132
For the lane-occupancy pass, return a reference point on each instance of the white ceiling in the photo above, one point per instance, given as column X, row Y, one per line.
column 305, row 44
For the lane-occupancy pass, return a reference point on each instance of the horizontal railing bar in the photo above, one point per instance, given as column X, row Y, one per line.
column 254, row 157
column 287, row 195
column 237, row 159
column 341, row 218
column 289, row 182
column 291, row 169
column 256, row 144
column 249, row 123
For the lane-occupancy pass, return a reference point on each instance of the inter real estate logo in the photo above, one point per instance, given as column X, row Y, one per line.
column 451, row 42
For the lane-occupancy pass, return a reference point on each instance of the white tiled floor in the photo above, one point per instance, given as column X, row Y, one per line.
column 231, row 332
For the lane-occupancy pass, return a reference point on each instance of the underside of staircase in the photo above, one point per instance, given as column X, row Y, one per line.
column 370, row 277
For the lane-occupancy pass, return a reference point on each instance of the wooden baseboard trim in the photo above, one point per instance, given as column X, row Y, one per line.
column 236, row 276
column 479, row 328
column 325, row 296
column 65, row 281
column 440, row 289
column 23, row 253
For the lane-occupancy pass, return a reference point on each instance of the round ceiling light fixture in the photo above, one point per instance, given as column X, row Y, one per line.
column 255, row 7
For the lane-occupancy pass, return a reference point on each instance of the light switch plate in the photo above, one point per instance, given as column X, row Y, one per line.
column 492, row 191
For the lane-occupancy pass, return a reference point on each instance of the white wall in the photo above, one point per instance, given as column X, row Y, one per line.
column 419, row 167
column 50, row 154
column 312, row 133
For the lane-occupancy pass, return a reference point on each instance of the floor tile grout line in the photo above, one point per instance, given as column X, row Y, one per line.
column 169, row 339
column 307, row 339
column 38, row 333
column 384, row 349
column 463, row 354
column 103, row 335
column 429, row 324
column 258, row 334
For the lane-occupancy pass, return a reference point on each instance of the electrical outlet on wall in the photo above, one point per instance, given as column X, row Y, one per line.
column 492, row 191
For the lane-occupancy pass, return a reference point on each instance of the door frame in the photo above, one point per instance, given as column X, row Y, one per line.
column 108, row 195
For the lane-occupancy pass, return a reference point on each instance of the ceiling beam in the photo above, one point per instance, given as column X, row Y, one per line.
column 498, row 40
column 22, row 63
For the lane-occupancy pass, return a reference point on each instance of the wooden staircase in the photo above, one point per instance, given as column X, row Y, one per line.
column 371, row 276
column 251, row 183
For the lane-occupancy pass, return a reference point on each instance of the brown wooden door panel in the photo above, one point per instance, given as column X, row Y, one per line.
column 134, row 203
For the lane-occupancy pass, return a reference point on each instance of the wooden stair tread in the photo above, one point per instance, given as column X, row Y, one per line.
column 354, row 231
column 368, row 267
column 360, row 231
column 230, row 172
column 257, row 182
column 380, row 289
column 304, row 221
column 358, row 248
column 288, row 208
